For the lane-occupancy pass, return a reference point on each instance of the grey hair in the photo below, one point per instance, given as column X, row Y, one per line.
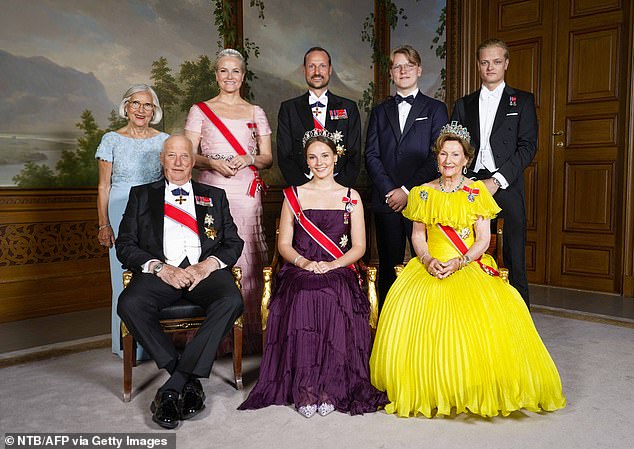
column 135, row 89
column 234, row 54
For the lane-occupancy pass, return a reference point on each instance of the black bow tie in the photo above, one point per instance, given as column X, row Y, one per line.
column 179, row 191
column 399, row 99
column 317, row 104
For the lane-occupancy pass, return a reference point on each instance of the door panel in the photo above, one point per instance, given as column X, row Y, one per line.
column 526, row 28
column 584, row 245
column 569, row 54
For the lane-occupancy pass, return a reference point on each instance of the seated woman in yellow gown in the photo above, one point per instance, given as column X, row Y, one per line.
column 452, row 334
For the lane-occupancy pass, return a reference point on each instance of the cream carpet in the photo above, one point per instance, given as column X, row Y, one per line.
column 81, row 392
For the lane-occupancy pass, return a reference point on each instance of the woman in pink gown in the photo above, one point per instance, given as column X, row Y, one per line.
column 221, row 165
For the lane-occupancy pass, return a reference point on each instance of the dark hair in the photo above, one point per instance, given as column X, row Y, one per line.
column 409, row 52
column 467, row 148
column 493, row 42
column 312, row 49
column 322, row 139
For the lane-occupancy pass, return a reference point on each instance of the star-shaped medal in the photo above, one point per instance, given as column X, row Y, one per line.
column 344, row 241
column 209, row 220
column 211, row 233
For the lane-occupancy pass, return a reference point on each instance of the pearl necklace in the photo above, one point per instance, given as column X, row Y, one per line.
column 455, row 189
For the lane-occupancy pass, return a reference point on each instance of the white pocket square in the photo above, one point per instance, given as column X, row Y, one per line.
column 421, row 118
column 512, row 113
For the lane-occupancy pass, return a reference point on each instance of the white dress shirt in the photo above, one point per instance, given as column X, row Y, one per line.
column 404, row 107
column 403, row 112
column 178, row 240
column 488, row 106
column 321, row 111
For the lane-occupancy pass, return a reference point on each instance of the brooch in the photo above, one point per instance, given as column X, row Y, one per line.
column 512, row 100
column 464, row 233
column 203, row 201
column 344, row 241
column 424, row 195
column 337, row 137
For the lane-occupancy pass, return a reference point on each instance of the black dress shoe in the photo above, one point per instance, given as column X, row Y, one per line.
column 165, row 409
column 193, row 399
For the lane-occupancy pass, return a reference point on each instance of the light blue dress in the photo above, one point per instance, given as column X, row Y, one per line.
column 134, row 162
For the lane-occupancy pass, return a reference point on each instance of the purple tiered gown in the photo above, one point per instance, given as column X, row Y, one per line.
column 318, row 336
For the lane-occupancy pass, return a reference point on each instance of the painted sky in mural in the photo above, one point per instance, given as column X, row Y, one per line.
column 59, row 57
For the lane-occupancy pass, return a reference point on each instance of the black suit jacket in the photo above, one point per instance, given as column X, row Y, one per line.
column 394, row 158
column 295, row 118
column 513, row 136
column 141, row 231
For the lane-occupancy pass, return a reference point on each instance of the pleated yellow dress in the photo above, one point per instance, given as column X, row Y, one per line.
column 466, row 342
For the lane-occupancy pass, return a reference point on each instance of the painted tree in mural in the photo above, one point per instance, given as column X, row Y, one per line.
column 76, row 168
column 166, row 88
column 198, row 80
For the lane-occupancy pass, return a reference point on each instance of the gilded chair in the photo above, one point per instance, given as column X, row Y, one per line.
column 269, row 272
column 494, row 249
column 180, row 317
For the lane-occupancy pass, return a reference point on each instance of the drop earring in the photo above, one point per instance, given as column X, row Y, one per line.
column 464, row 170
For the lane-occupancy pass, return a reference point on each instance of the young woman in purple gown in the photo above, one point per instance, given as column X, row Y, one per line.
column 318, row 337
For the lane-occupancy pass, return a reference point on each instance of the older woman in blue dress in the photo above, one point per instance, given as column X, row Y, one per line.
column 127, row 157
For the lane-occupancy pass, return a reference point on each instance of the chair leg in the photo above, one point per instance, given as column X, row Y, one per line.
column 237, row 356
column 129, row 360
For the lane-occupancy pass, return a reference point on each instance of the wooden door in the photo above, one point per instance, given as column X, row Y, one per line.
column 526, row 28
column 585, row 236
column 570, row 54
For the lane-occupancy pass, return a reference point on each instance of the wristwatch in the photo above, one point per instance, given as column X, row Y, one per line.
column 157, row 268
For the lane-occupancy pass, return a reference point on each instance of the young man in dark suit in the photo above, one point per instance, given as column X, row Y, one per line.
column 398, row 156
column 503, row 125
column 318, row 108
column 179, row 239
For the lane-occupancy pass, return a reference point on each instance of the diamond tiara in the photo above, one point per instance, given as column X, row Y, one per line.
column 336, row 137
column 456, row 129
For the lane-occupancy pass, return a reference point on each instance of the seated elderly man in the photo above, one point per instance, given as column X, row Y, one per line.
column 179, row 239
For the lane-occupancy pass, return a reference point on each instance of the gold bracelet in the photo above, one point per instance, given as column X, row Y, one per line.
column 104, row 226
column 296, row 259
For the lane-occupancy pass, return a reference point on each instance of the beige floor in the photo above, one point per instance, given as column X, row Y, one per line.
column 81, row 392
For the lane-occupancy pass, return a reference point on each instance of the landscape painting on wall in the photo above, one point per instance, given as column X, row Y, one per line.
column 66, row 63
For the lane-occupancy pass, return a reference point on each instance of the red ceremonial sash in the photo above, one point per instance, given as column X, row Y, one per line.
column 181, row 217
column 258, row 182
column 317, row 124
column 461, row 246
column 311, row 228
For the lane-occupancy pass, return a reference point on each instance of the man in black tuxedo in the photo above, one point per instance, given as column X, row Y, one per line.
column 398, row 156
column 503, row 125
column 318, row 108
column 179, row 239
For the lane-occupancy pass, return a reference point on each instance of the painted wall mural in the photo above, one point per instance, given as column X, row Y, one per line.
column 66, row 63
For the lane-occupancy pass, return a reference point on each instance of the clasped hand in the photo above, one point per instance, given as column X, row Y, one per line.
column 442, row 270
column 188, row 277
column 319, row 267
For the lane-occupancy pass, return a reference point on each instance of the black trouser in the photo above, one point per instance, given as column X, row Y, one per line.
column 392, row 232
column 141, row 301
column 512, row 202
